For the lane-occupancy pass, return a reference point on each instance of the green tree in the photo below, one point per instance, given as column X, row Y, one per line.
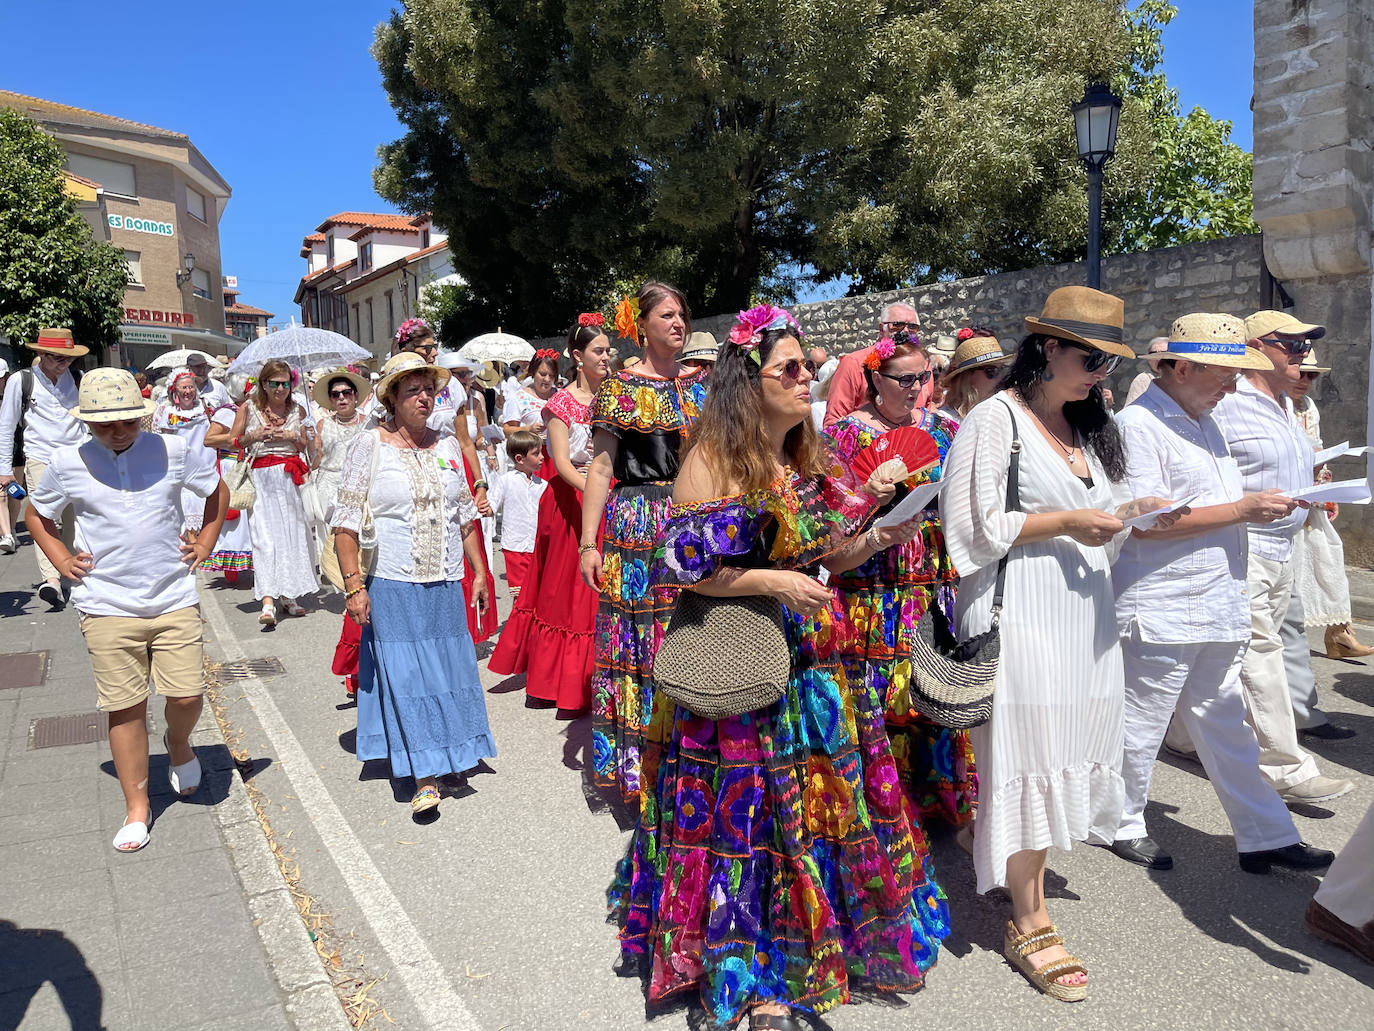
column 52, row 270
column 457, row 313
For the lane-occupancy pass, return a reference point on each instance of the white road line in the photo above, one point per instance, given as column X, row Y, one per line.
column 439, row 1004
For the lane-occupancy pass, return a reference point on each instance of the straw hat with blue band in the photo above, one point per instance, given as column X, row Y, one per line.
column 1085, row 316
column 976, row 351
column 1213, row 339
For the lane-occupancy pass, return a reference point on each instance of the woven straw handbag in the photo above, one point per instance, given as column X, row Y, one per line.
column 951, row 680
column 239, row 480
column 723, row 657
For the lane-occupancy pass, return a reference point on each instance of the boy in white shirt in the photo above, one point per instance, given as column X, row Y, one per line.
column 514, row 496
column 135, row 581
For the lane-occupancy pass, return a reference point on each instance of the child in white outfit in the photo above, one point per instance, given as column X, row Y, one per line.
column 514, row 496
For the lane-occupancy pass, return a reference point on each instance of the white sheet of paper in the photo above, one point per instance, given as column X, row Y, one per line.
column 493, row 433
column 1326, row 454
column 1146, row 520
column 912, row 505
column 1342, row 492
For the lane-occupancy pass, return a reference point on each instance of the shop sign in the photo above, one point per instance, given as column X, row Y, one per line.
column 141, row 225
column 170, row 318
column 139, row 335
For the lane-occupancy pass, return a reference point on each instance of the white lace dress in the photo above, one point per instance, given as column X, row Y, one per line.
column 191, row 426
column 283, row 555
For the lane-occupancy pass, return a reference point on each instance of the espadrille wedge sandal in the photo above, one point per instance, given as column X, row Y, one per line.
column 1018, row 948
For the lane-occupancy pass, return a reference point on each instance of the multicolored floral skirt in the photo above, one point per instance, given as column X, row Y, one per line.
column 880, row 604
column 630, row 622
column 773, row 860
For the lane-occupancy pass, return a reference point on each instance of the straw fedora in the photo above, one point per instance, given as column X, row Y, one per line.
column 58, row 342
column 1210, row 339
column 975, row 351
column 1309, row 363
column 1085, row 316
column 398, row 366
column 450, row 360
column 320, row 392
column 1262, row 323
column 110, row 395
column 700, row 346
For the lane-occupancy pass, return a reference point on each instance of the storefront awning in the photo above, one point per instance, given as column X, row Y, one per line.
column 140, row 344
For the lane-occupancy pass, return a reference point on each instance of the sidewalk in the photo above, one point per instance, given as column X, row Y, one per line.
column 191, row 931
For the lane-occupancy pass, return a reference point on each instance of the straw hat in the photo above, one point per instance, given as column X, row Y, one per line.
column 1309, row 363
column 450, row 360
column 1086, row 316
column 1208, row 339
column 977, row 351
column 1152, row 353
column 58, row 342
column 1262, row 323
column 320, row 392
column 398, row 366
column 110, row 395
column 701, row 346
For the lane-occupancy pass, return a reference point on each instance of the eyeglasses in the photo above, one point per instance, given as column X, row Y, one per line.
column 1300, row 345
column 339, row 395
column 1093, row 359
column 898, row 327
column 908, row 379
column 425, row 347
column 792, row 369
column 1310, row 375
column 278, row 384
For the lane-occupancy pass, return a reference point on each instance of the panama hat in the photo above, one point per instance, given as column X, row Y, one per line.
column 398, row 366
column 1209, row 339
column 110, row 395
column 1085, row 316
column 320, row 392
column 58, row 342
column 450, row 360
column 700, row 346
column 1309, row 363
column 975, row 351
column 1262, row 323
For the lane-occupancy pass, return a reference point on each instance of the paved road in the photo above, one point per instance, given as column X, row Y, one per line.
column 492, row 916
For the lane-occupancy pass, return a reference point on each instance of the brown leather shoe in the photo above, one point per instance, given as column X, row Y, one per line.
column 1341, row 643
column 1329, row 927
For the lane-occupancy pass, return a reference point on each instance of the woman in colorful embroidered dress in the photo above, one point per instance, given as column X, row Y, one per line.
column 550, row 634
column 639, row 420
column 183, row 415
column 882, row 600
column 775, row 861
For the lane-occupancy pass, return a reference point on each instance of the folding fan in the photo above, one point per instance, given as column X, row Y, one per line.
column 916, row 448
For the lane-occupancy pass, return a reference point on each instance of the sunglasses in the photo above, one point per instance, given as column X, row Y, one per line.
column 908, row 379
column 1310, row 375
column 792, row 369
column 898, row 327
column 425, row 347
column 278, row 384
column 339, row 395
column 1093, row 359
column 1300, row 346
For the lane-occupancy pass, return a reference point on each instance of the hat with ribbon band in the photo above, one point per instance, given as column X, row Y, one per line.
column 975, row 351
column 1085, row 316
column 58, row 342
column 111, row 395
column 1211, row 339
column 401, row 365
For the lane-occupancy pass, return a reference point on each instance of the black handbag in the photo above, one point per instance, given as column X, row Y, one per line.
column 951, row 680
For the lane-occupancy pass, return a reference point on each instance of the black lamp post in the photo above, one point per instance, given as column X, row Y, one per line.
column 1095, row 118
column 190, row 262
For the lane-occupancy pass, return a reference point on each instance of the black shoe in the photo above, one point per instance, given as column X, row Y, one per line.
column 1299, row 856
column 1328, row 731
column 52, row 594
column 1143, row 852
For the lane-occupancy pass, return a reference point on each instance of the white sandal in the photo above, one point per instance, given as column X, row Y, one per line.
column 131, row 837
column 268, row 616
column 291, row 607
column 183, row 783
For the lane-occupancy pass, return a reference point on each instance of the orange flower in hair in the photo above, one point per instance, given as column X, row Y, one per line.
column 881, row 352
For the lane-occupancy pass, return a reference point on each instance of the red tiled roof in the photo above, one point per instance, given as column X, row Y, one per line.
column 308, row 277
column 245, row 309
column 50, row 109
column 372, row 220
column 82, row 180
column 373, row 273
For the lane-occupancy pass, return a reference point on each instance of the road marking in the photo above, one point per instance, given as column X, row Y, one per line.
column 434, row 996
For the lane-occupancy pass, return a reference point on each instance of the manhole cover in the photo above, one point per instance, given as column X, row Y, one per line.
column 84, row 728
column 23, row 669
column 270, row 666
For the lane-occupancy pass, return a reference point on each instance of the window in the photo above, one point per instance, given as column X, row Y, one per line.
column 390, row 314
column 424, row 238
column 116, row 176
column 195, row 204
column 357, row 321
column 371, row 337
column 134, row 260
column 329, row 250
column 416, row 280
column 365, row 257
column 200, row 283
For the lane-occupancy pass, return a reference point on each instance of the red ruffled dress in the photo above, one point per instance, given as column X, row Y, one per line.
column 550, row 635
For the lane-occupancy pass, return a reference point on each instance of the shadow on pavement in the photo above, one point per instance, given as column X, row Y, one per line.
column 31, row 957
column 14, row 603
column 217, row 773
column 577, row 755
column 1357, row 684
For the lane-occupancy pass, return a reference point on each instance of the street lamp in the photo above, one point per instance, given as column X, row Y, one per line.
column 190, row 262
column 1094, row 119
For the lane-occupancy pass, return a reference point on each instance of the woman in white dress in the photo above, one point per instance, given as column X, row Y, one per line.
column 524, row 408
column 183, row 415
column 340, row 395
column 270, row 426
column 1049, row 761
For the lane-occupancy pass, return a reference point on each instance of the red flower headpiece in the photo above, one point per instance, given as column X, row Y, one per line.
column 545, row 352
column 880, row 352
column 591, row 318
column 964, row 334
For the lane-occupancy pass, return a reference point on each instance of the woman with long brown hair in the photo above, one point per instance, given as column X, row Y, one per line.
column 775, row 864
column 269, row 426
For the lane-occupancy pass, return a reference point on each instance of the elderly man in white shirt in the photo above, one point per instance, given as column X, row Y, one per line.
column 135, row 583
column 1273, row 452
column 47, row 424
column 1181, row 604
column 212, row 392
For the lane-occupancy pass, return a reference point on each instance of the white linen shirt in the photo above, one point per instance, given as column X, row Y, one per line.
column 515, row 495
column 1272, row 451
column 129, row 518
column 49, row 423
column 1189, row 591
column 215, row 394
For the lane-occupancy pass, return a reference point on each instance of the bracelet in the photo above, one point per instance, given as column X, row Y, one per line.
column 480, row 485
column 350, row 576
column 872, row 540
column 583, row 548
column 356, row 590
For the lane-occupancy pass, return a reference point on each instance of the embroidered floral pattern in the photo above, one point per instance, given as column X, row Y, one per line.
column 627, row 401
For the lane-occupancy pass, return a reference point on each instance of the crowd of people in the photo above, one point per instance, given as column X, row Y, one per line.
column 1146, row 574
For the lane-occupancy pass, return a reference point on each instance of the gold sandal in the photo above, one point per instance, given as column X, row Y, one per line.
column 1017, row 949
column 425, row 799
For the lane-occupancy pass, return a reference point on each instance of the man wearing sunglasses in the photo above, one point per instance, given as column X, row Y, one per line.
column 848, row 388
column 1272, row 451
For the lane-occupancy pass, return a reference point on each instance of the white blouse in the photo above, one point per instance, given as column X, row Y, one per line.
column 526, row 409
column 419, row 502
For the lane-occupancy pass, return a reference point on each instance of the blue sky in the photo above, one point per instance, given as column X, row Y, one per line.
column 285, row 100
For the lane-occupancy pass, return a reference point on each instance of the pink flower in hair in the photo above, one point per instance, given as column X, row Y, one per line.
column 749, row 328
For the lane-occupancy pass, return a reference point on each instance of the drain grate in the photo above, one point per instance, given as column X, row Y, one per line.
column 83, row 728
column 268, row 666
column 23, row 669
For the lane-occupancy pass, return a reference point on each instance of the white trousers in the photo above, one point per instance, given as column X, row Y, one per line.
column 1347, row 890
column 1267, row 701
column 1203, row 681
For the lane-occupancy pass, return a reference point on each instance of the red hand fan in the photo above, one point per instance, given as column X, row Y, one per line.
column 916, row 448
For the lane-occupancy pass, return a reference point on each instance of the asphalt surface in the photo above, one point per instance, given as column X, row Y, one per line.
column 492, row 916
